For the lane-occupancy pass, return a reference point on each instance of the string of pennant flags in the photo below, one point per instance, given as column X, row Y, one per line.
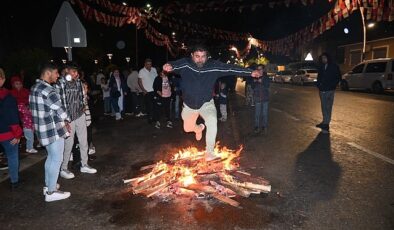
column 376, row 10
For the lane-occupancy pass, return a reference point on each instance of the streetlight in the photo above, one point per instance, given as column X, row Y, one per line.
column 128, row 61
column 371, row 25
column 124, row 3
column 96, row 61
column 109, row 57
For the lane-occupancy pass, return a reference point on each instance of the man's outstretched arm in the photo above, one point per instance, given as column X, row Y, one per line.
column 223, row 69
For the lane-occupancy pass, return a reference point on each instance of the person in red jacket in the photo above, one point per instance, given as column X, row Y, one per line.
column 10, row 131
column 22, row 99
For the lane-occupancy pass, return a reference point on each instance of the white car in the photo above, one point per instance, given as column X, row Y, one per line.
column 304, row 76
column 375, row 75
column 283, row 76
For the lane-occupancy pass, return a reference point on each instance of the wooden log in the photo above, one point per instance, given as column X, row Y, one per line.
column 213, row 192
column 155, row 190
column 240, row 191
column 147, row 167
column 246, row 177
column 149, row 183
column 226, row 199
column 251, row 186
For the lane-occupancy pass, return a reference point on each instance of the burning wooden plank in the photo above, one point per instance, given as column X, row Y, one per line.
column 213, row 192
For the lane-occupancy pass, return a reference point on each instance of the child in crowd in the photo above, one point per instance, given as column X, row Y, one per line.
column 223, row 91
column 106, row 96
column 22, row 99
column 162, row 99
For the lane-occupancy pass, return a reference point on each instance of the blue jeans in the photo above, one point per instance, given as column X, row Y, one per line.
column 327, row 100
column 12, row 152
column 53, row 162
column 115, row 105
column 261, row 114
column 29, row 135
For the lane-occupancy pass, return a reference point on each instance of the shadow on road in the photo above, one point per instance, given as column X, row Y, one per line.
column 317, row 175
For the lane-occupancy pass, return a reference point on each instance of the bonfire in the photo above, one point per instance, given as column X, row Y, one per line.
column 187, row 173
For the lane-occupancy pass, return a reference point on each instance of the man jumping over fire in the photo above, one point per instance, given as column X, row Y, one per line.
column 199, row 74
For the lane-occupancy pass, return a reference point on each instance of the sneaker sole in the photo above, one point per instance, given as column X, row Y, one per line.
column 51, row 200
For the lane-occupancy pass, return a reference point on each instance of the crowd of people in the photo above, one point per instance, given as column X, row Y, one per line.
column 57, row 108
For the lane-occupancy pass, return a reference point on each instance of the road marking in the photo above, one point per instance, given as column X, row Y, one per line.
column 286, row 114
column 375, row 154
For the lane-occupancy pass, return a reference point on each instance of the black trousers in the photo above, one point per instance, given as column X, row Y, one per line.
column 149, row 99
column 163, row 103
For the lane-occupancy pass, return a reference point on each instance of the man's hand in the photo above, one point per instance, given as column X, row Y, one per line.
column 14, row 141
column 68, row 127
column 167, row 67
column 256, row 74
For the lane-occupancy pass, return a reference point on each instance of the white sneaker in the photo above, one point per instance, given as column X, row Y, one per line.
column 66, row 174
column 88, row 169
column 92, row 151
column 71, row 157
column 157, row 125
column 169, row 124
column 57, row 195
column 31, row 151
column 45, row 189
column 210, row 156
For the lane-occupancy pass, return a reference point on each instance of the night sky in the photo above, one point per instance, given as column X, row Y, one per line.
column 27, row 24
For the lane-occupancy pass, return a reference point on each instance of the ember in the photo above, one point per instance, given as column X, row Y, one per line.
column 187, row 173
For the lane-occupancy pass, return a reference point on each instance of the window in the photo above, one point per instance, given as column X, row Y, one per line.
column 376, row 67
column 340, row 55
column 380, row 52
column 358, row 69
column 355, row 57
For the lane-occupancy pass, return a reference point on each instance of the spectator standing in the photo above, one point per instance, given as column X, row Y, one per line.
column 10, row 131
column 146, row 77
column 328, row 78
column 117, row 90
column 106, row 96
column 162, row 99
column 135, row 93
column 261, row 99
column 22, row 99
column 71, row 92
column 52, row 127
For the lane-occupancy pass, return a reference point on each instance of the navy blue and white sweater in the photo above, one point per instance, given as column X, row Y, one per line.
column 197, row 83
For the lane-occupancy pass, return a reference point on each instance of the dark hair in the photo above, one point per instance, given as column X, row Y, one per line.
column 72, row 65
column 148, row 60
column 329, row 59
column 199, row 47
column 47, row 67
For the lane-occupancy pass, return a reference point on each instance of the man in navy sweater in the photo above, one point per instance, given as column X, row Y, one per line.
column 199, row 75
column 328, row 78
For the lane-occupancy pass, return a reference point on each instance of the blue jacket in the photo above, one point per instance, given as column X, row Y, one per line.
column 198, row 83
column 328, row 78
column 261, row 88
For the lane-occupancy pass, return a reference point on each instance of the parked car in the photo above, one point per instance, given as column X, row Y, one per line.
column 283, row 76
column 304, row 76
column 375, row 75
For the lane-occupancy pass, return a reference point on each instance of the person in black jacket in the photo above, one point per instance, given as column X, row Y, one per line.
column 328, row 78
column 162, row 99
column 199, row 74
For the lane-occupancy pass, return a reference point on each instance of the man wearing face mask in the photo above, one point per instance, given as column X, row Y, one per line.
column 71, row 92
column 199, row 75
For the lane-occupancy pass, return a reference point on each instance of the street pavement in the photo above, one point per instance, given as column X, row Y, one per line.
column 341, row 180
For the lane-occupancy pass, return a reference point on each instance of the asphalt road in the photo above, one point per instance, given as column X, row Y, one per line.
column 341, row 180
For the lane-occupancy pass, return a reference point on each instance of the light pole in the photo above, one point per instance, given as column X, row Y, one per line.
column 110, row 57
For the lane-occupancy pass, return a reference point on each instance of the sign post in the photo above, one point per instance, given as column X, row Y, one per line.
column 67, row 30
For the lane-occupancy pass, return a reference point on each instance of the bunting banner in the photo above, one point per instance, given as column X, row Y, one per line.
column 377, row 10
